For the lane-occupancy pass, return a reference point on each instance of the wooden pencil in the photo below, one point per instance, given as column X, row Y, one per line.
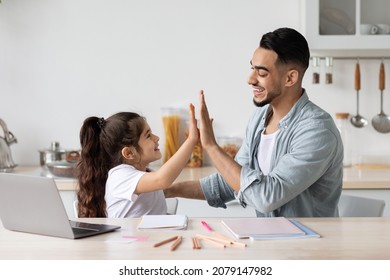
column 216, row 239
column 165, row 241
column 223, row 240
column 212, row 242
column 239, row 244
column 176, row 243
column 195, row 243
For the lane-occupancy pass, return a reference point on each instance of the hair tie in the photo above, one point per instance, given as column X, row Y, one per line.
column 101, row 122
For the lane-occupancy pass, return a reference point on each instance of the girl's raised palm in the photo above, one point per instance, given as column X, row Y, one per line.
column 193, row 132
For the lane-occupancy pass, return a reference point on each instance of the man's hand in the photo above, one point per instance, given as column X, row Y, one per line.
column 207, row 137
column 226, row 166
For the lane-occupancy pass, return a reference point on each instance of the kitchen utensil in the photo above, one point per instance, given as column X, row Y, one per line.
column 6, row 162
column 62, row 168
column 381, row 122
column 54, row 153
column 358, row 120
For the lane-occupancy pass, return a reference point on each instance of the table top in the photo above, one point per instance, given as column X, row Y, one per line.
column 341, row 238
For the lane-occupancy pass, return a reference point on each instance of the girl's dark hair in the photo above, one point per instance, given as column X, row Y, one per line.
column 289, row 45
column 101, row 149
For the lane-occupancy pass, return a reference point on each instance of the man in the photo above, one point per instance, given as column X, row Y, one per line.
column 290, row 162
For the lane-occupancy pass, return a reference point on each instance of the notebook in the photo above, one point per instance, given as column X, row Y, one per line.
column 267, row 228
column 170, row 222
column 32, row 204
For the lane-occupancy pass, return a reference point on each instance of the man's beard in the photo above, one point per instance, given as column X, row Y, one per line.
column 261, row 103
column 270, row 97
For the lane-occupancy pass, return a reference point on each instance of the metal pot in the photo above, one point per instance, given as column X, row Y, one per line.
column 53, row 154
column 62, row 168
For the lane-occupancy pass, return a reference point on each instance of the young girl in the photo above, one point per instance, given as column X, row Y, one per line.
column 113, row 176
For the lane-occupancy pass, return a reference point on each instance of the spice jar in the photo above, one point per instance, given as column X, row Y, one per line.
column 328, row 70
column 316, row 70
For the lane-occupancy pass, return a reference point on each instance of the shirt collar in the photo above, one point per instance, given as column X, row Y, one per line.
column 296, row 109
column 283, row 123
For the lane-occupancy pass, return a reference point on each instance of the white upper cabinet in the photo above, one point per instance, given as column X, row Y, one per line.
column 347, row 27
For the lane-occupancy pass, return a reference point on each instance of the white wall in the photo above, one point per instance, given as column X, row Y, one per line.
column 64, row 60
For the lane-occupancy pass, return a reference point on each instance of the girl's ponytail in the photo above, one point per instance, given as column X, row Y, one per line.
column 92, row 172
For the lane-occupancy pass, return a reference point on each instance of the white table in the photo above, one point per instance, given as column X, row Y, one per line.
column 342, row 238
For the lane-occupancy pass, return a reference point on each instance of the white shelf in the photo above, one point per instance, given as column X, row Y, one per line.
column 343, row 40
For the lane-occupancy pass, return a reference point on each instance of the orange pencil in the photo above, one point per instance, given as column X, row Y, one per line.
column 195, row 244
column 215, row 243
column 165, row 241
column 176, row 243
column 216, row 239
column 222, row 240
column 239, row 244
column 218, row 235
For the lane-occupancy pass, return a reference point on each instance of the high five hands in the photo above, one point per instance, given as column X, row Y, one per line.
column 207, row 137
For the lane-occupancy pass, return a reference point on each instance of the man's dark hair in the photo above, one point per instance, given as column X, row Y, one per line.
column 289, row 45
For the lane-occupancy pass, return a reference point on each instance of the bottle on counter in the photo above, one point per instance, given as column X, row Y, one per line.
column 343, row 126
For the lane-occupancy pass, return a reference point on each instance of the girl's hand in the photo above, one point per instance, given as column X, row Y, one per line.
column 193, row 132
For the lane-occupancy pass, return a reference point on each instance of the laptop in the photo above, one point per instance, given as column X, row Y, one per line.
column 32, row 204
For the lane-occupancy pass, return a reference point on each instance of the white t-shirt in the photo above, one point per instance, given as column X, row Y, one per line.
column 122, row 202
column 266, row 147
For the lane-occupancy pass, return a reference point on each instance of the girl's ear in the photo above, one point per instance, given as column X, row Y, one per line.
column 128, row 152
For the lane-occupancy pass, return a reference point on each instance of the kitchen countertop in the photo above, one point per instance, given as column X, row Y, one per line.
column 354, row 178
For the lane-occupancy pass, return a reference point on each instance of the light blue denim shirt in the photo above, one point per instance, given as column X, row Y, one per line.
column 306, row 171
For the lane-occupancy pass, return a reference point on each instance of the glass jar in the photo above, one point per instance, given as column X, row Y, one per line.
column 328, row 70
column 171, row 122
column 316, row 70
column 343, row 126
column 230, row 145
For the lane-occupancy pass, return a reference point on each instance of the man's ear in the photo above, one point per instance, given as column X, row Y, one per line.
column 128, row 152
column 292, row 77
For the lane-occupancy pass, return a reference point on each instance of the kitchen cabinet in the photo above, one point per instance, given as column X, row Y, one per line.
column 347, row 28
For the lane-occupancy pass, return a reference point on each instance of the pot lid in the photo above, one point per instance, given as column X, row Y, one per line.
column 54, row 148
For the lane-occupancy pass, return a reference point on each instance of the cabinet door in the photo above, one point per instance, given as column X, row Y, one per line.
column 334, row 27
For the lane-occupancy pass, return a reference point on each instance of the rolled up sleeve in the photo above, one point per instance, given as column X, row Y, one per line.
column 217, row 192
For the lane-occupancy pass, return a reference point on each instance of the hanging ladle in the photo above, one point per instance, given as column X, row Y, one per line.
column 358, row 120
column 381, row 122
